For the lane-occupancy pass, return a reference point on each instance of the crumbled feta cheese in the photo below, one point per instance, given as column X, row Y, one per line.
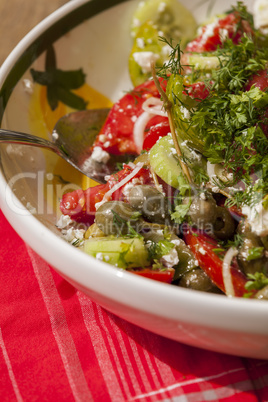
column 140, row 43
column 170, row 259
column 223, row 34
column 64, row 221
column 202, row 251
column 145, row 59
column 72, row 235
column 99, row 155
column 79, row 234
column 102, row 138
column 99, row 256
column 185, row 112
column 215, row 189
column 127, row 189
column 257, row 217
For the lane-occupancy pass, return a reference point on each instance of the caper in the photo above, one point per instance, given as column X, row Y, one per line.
column 150, row 202
column 197, row 279
column 116, row 218
column 223, row 226
column 202, row 211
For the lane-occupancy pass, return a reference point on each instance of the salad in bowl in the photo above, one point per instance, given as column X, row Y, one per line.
column 189, row 205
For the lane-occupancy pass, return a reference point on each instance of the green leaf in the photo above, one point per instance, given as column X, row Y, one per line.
column 50, row 59
column 42, row 78
column 159, row 249
column 52, row 97
column 71, row 99
column 256, row 281
column 69, row 79
column 255, row 253
column 59, row 83
column 180, row 212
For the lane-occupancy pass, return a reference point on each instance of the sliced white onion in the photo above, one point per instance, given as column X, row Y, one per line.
column 226, row 271
column 155, row 106
column 138, row 130
column 121, row 183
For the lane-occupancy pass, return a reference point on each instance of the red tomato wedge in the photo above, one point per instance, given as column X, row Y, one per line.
column 80, row 204
column 155, row 132
column 197, row 90
column 116, row 135
column 160, row 276
column 203, row 248
column 213, row 35
column 260, row 80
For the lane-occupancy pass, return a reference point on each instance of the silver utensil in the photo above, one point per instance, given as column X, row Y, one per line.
column 72, row 139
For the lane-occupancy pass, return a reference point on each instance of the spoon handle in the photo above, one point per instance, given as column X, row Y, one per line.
column 22, row 138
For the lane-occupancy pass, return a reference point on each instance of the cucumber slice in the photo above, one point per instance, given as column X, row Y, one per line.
column 121, row 252
column 165, row 162
column 146, row 49
column 202, row 62
column 169, row 16
column 154, row 18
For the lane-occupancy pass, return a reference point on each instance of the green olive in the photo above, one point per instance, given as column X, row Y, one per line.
column 224, row 226
column 150, row 202
column 247, row 263
column 116, row 217
column 202, row 211
column 197, row 279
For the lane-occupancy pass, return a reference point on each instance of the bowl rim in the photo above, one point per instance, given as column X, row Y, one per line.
column 234, row 314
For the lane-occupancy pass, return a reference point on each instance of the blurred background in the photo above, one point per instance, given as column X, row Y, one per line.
column 19, row 17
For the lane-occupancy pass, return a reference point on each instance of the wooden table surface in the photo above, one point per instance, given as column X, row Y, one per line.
column 18, row 17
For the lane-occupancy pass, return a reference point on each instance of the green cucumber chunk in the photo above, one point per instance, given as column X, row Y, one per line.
column 203, row 62
column 119, row 251
column 165, row 162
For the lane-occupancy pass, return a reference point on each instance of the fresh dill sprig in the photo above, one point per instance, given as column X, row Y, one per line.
column 173, row 65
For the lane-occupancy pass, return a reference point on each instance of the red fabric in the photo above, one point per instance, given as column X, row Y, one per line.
column 58, row 345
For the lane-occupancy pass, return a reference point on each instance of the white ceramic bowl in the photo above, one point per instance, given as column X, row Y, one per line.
column 94, row 35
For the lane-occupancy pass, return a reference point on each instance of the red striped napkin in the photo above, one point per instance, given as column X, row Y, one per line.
column 58, row 345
